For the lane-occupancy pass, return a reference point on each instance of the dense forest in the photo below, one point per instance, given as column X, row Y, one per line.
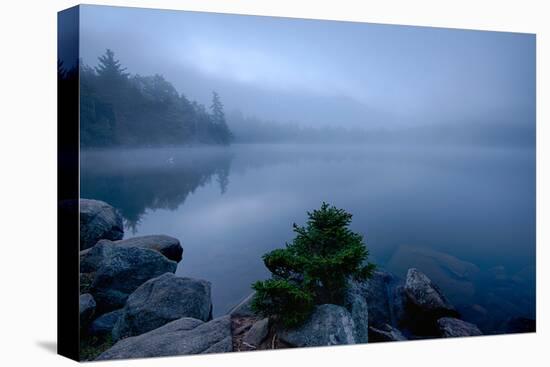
column 120, row 109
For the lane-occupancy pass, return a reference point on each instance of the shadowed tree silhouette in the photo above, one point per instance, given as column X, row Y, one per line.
column 121, row 109
column 109, row 67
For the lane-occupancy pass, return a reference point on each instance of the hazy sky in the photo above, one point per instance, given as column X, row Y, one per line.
column 324, row 72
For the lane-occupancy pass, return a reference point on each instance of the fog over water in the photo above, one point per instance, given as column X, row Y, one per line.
column 425, row 135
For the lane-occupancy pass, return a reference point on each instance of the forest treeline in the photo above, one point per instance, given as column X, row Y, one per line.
column 250, row 129
column 120, row 109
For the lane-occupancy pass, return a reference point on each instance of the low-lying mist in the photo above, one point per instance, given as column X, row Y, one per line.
column 254, row 130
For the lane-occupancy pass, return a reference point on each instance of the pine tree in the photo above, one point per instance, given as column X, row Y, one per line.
column 313, row 269
column 217, row 109
column 218, row 120
column 110, row 68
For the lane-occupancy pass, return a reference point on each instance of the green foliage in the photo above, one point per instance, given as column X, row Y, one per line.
column 282, row 297
column 314, row 268
column 117, row 108
column 92, row 346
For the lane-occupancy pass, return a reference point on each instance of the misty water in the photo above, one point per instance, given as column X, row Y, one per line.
column 463, row 215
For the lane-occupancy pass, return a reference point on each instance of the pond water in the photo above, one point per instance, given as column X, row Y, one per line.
column 463, row 215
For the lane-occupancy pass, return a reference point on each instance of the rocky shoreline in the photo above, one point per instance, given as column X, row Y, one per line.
column 132, row 305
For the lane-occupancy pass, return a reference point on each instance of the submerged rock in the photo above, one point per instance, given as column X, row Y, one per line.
column 98, row 220
column 166, row 245
column 182, row 336
column 519, row 325
column 457, row 277
column 386, row 333
column 161, row 300
column 451, row 327
column 119, row 271
column 328, row 325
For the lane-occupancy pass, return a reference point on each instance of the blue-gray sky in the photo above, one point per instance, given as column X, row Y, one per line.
column 324, row 72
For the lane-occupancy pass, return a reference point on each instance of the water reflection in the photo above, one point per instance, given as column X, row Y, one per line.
column 465, row 216
column 135, row 181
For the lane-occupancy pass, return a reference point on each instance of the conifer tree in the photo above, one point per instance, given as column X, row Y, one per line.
column 109, row 67
column 314, row 269
column 218, row 119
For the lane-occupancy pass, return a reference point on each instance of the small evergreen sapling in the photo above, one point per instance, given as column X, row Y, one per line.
column 313, row 269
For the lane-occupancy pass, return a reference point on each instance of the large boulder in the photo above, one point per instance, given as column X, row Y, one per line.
column 356, row 304
column 451, row 327
column 422, row 293
column 243, row 308
column 98, row 220
column 425, row 304
column 161, row 300
column 105, row 323
column 87, row 307
column 119, row 271
column 328, row 325
column 166, row 245
column 386, row 333
column 257, row 333
column 182, row 336
column 385, row 298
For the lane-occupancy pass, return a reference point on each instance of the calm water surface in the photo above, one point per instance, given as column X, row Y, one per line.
column 465, row 216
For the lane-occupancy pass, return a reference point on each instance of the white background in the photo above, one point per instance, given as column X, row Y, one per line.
column 28, row 182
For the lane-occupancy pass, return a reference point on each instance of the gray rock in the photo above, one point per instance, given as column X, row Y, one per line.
column 243, row 309
column 161, row 300
column 424, row 305
column 397, row 301
column 383, row 293
column 223, row 346
column 425, row 295
column 105, row 323
column 119, row 271
column 182, row 336
column 166, row 245
column 98, row 220
column 375, row 291
column 328, row 325
column 356, row 304
column 257, row 333
column 87, row 307
column 451, row 328
column 385, row 334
